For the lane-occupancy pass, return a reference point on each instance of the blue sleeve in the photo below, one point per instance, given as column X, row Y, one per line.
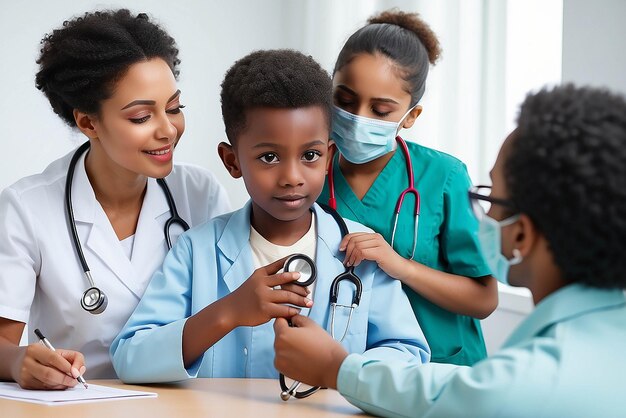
column 149, row 347
column 515, row 382
column 393, row 331
column 459, row 242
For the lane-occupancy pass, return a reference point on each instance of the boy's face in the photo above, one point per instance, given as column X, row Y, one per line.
column 282, row 155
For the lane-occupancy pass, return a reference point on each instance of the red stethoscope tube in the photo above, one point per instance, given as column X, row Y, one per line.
column 332, row 201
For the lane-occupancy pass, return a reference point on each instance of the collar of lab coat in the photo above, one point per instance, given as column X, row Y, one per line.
column 568, row 302
column 234, row 244
column 148, row 235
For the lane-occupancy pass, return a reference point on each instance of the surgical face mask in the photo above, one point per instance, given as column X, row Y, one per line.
column 489, row 236
column 360, row 139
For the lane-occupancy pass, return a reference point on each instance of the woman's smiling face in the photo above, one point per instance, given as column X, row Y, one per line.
column 139, row 126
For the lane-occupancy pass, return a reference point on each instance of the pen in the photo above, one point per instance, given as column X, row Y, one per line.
column 45, row 342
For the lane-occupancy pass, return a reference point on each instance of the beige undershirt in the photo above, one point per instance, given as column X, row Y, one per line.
column 264, row 252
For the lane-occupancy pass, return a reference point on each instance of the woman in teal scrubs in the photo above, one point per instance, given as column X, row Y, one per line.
column 378, row 81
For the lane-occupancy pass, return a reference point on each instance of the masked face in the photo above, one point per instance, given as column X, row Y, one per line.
column 371, row 107
column 497, row 214
column 360, row 139
column 489, row 236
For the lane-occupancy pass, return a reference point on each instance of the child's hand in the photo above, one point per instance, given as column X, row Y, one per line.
column 306, row 352
column 256, row 301
column 361, row 246
column 295, row 288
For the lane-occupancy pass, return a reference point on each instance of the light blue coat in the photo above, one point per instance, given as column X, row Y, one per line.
column 565, row 360
column 209, row 262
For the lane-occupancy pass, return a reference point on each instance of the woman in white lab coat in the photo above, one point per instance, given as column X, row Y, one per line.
column 111, row 75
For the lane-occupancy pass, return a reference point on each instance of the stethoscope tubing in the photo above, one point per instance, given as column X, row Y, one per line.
column 348, row 275
column 69, row 211
column 97, row 304
column 332, row 200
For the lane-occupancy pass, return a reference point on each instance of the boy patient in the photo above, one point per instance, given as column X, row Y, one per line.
column 209, row 310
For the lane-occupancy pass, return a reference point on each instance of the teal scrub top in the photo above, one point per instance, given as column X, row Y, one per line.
column 446, row 239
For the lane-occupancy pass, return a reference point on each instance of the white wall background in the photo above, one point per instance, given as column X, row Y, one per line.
column 469, row 86
column 494, row 51
column 594, row 43
column 210, row 36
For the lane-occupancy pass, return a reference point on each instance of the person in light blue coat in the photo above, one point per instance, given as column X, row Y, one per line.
column 554, row 221
column 209, row 310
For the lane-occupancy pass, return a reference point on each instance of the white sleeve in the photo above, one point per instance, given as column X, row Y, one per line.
column 219, row 198
column 204, row 194
column 20, row 259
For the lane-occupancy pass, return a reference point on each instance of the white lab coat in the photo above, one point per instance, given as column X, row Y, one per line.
column 40, row 274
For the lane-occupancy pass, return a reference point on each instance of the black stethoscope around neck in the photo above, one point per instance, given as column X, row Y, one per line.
column 303, row 264
column 95, row 300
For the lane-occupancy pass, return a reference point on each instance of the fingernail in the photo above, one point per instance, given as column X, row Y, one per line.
column 75, row 372
column 83, row 369
column 308, row 302
column 342, row 248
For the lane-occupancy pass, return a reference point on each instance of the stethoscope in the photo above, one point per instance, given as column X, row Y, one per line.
column 308, row 273
column 95, row 300
column 332, row 201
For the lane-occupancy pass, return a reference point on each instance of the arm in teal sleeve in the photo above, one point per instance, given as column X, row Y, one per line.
column 393, row 331
column 459, row 242
column 515, row 382
column 149, row 347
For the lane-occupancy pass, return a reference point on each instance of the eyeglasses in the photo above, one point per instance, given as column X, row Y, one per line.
column 481, row 201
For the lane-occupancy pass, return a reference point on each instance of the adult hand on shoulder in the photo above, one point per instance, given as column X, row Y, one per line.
column 306, row 352
column 256, row 301
column 41, row 368
column 361, row 246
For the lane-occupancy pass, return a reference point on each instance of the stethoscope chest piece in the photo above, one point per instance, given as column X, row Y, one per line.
column 305, row 266
column 94, row 300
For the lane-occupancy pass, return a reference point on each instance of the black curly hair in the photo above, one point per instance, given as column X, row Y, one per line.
column 566, row 169
column 81, row 61
column 404, row 38
column 281, row 78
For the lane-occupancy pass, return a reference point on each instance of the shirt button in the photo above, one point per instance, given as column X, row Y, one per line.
column 245, row 351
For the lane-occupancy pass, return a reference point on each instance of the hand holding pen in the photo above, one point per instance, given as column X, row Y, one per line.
column 74, row 371
column 39, row 367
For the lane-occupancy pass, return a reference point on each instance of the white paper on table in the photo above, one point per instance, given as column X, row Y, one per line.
column 77, row 394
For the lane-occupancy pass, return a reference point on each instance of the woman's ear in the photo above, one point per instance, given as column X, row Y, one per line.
column 412, row 116
column 85, row 123
column 525, row 235
column 229, row 159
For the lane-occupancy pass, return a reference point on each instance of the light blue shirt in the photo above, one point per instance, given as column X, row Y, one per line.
column 565, row 360
column 209, row 262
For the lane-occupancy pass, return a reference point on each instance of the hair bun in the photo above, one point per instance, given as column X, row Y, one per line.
column 414, row 23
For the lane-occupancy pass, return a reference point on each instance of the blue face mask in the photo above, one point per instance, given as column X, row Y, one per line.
column 360, row 139
column 489, row 236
